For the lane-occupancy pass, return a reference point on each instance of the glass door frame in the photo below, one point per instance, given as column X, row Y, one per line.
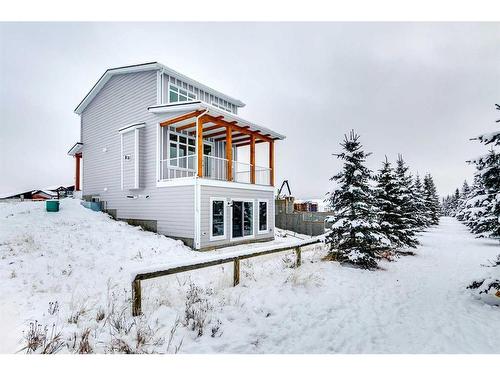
column 243, row 200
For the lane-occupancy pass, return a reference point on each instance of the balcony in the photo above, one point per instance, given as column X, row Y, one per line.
column 214, row 168
column 199, row 140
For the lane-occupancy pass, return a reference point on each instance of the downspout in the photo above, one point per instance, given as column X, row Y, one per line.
column 197, row 194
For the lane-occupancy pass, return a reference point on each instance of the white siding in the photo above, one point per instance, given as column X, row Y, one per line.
column 123, row 101
column 232, row 193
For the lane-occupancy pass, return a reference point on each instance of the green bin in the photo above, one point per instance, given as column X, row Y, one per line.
column 52, row 205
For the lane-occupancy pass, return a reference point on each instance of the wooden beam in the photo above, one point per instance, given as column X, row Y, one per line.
column 271, row 163
column 238, row 128
column 208, row 128
column 229, row 152
column 184, row 127
column 223, row 132
column 234, row 137
column 136, row 297
column 77, row 171
column 252, row 159
column 199, row 145
column 180, row 118
column 246, row 142
column 236, row 272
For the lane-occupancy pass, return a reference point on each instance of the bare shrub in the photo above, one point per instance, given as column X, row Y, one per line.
column 84, row 346
column 38, row 339
column 75, row 316
column 197, row 309
column 53, row 308
column 100, row 315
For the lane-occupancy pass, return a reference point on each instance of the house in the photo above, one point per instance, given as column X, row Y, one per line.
column 305, row 206
column 161, row 150
column 42, row 195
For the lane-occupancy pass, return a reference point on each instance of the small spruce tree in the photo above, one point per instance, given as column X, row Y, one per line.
column 407, row 204
column 431, row 200
column 355, row 236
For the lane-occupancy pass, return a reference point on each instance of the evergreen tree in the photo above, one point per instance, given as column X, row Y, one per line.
column 421, row 220
column 431, row 200
column 486, row 220
column 406, row 204
column 388, row 203
column 464, row 195
column 355, row 236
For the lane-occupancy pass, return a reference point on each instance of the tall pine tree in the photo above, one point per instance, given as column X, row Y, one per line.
column 355, row 236
column 390, row 215
column 407, row 205
column 431, row 200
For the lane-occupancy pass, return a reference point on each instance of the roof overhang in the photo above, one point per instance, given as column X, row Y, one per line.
column 146, row 67
column 186, row 107
column 75, row 149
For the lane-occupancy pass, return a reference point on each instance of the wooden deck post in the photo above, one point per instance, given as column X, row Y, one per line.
column 271, row 163
column 229, row 152
column 252, row 159
column 236, row 273
column 199, row 145
column 136, row 298
column 77, row 171
column 298, row 254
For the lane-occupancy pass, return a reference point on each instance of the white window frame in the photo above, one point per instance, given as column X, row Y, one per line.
column 224, row 236
column 178, row 93
column 266, row 201
column 188, row 137
column 247, row 200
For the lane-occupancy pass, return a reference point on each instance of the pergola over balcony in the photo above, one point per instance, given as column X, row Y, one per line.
column 208, row 122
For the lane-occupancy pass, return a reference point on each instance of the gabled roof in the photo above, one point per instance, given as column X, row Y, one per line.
column 145, row 67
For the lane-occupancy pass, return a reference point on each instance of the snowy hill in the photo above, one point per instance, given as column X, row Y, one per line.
column 70, row 272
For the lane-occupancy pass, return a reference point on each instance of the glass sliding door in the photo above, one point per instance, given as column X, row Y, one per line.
column 242, row 219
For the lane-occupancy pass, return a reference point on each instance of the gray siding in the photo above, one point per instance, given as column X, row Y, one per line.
column 208, row 192
column 121, row 102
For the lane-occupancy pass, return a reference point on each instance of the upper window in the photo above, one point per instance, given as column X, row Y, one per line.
column 222, row 104
column 262, row 216
column 177, row 94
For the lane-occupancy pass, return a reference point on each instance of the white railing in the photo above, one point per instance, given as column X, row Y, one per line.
column 262, row 175
column 183, row 166
column 241, row 171
column 214, row 168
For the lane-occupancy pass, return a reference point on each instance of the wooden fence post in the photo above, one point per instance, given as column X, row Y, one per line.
column 136, row 297
column 298, row 253
column 236, row 273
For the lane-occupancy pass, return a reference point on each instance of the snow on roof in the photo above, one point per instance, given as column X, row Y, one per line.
column 212, row 110
column 145, row 67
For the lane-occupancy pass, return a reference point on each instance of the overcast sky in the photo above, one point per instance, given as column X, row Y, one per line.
column 418, row 89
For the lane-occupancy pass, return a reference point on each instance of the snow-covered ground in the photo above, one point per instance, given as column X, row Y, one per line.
column 83, row 260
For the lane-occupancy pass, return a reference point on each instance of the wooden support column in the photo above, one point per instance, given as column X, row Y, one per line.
column 136, row 298
column 77, row 171
column 199, row 145
column 229, row 152
column 236, row 273
column 252, row 159
column 271, row 163
column 299, row 258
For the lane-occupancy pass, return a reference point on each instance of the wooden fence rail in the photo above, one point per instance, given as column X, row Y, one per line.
column 136, row 283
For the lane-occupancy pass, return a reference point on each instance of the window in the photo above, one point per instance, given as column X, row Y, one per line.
column 217, row 219
column 177, row 94
column 242, row 218
column 262, row 216
column 181, row 149
column 222, row 104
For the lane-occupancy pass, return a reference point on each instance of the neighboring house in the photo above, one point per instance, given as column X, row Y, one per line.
column 163, row 151
column 305, row 206
column 41, row 195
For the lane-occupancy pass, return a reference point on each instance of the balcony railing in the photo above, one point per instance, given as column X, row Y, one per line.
column 214, row 168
